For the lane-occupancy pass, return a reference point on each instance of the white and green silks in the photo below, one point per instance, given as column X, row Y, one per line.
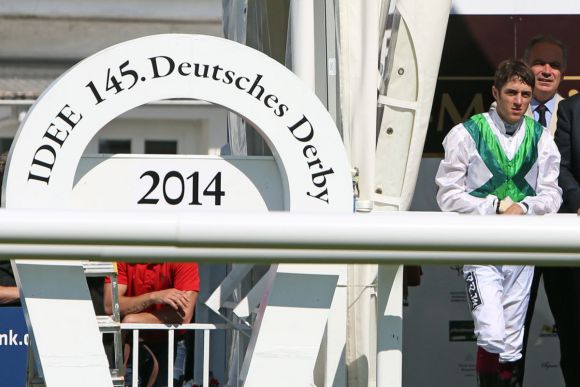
column 474, row 174
column 508, row 176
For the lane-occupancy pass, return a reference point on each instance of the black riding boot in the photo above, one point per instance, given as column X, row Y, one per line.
column 509, row 374
column 512, row 382
column 487, row 380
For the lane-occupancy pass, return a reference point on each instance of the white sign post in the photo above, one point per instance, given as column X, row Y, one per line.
column 43, row 172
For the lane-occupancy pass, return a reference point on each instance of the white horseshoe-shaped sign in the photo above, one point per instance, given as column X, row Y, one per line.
column 296, row 126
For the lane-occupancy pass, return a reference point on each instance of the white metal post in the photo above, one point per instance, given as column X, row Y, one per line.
column 390, row 326
column 302, row 40
column 360, row 50
column 135, row 352
column 170, row 351
column 205, row 358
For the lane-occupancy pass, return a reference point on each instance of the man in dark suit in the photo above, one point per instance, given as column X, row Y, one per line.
column 547, row 57
column 564, row 282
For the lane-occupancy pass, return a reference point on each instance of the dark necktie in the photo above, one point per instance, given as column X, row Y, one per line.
column 541, row 109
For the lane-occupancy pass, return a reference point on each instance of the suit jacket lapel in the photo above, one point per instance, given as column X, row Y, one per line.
column 554, row 120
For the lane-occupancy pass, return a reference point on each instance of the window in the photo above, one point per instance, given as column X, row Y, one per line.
column 160, row 147
column 114, row 146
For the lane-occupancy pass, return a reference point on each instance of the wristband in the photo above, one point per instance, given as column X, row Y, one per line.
column 526, row 207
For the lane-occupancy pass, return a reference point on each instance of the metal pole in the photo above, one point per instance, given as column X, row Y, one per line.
column 391, row 238
column 135, row 362
column 302, row 40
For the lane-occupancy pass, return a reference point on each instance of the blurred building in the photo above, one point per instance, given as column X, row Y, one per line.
column 42, row 39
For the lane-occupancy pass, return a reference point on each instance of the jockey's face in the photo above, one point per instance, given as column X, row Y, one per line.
column 512, row 100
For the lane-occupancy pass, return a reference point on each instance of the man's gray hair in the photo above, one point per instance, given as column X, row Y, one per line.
column 546, row 39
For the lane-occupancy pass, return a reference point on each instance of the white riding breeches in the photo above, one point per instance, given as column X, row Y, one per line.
column 498, row 298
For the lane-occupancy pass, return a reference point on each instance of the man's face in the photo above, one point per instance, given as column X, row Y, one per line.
column 547, row 63
column 512, row 100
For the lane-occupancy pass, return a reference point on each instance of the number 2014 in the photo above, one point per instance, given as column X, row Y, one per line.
column 214, row 188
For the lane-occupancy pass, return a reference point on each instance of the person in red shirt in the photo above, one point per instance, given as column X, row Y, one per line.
column 156, row 293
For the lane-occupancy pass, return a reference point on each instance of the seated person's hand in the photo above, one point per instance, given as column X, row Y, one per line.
column 176, row 299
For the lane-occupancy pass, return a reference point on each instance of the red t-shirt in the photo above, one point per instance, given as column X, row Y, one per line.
column 142, row 278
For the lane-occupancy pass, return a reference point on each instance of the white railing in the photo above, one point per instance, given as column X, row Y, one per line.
column 206, row 328
column 387, row 238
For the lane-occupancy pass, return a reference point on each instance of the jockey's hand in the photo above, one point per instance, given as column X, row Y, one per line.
column 514, row 209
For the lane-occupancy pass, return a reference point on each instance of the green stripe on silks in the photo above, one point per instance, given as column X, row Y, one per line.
column 508, row 176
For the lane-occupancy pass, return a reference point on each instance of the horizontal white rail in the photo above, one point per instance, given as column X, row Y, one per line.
column 167, row 327
column 391, row 238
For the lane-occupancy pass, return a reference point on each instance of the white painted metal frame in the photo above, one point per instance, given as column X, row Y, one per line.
column 68, row 346
column 251, row 301
column 219, row 297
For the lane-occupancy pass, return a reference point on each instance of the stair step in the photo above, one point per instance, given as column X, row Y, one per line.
column 108, row 324
column 97, row 269
column 118, row 381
